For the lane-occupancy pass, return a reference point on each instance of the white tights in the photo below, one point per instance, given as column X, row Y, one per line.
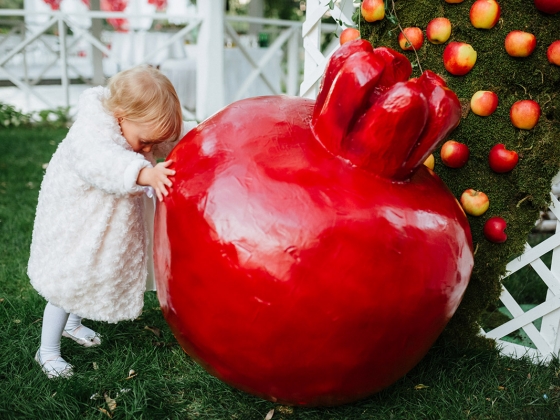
column 56, row 321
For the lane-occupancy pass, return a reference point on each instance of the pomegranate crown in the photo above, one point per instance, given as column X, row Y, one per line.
column 369, row 112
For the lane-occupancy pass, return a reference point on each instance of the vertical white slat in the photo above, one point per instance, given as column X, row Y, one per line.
column 293, row 64
column 551, row 321
column 210, row 59
column 63, row 61
column 311, row 42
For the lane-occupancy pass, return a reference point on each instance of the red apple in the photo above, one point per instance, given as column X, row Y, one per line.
column 430, row 162
column 349, row 34
column 494, row 230
column 373, row 10
column 520, row 44
column 548, row 6
column 484, row 103
column 454, row 154
column 438, row 30
column 485, row 14
column 553, row 53
column 502, row 160
column 459, row 58
column 474, row 202
column 525, row 114
column 411, row 39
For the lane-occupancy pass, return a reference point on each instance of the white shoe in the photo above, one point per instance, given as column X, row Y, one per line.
column 90, row 339
column 54, row 367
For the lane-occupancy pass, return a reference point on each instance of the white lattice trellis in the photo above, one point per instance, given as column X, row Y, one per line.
column 546, row 341
column 315, row 59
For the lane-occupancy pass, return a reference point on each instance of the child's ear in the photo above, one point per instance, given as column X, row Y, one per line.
column 118, row 114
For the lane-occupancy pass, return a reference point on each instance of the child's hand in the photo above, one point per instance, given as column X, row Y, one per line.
column 157, row 178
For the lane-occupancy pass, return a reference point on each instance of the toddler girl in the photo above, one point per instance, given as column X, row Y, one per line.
column 89, row 251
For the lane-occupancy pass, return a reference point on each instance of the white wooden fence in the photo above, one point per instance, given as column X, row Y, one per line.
column 276, row 68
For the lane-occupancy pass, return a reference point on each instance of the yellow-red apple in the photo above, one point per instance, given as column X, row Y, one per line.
column 525, row 114
column 485, row 14
column 459, row 58
column 411, row 38
column 494, row 229
column 484, row 103
column 372, row 10
column 438, row 30
column 349, row 34
column 548, row 6
column 474, row 202
column 553, row 53
column 430, row 162
column 520, row 44
column 502, row 160
column 454, row 154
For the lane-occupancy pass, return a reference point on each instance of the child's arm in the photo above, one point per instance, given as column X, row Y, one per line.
column 100, row 162
column 157, row 178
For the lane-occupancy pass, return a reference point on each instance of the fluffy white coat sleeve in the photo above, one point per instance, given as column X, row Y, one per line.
column 99, row 151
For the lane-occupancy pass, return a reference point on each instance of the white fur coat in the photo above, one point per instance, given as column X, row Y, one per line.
column 90, row 240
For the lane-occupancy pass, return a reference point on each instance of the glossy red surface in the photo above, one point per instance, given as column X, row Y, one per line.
column 300, row 275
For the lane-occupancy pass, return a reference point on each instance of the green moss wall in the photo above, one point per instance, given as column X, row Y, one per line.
column 516, row 196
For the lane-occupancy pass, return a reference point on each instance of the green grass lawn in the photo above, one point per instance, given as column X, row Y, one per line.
column 140, row 372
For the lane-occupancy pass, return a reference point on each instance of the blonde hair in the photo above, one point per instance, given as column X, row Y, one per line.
column 142, row 94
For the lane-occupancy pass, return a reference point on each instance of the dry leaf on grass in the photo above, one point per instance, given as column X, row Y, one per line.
column 111, row 403
column 286, row 410
column 95, row 367
column 421, row 386
column 105, row 412
column 155, row 330
column 269, row 414
column 131, row 374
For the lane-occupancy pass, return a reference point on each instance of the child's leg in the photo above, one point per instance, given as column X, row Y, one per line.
column 80, row 333
column 48, row 355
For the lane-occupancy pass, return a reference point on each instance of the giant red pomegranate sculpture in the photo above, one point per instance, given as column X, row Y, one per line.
column 305, row 254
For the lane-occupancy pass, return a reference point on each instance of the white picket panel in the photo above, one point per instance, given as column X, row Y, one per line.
column 546, row 340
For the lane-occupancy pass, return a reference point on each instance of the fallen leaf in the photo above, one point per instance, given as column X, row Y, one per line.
column 122, row 391
column 111, row 403
column 105, row 412
column 421, row 386
column 528, row 376
column 282, row 409
column 95, row 367
column 501, row 388
column 156, row 331
column 269, row 414
column 131, row 374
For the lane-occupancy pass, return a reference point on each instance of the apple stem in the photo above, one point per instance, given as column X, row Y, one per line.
column 407, row 40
